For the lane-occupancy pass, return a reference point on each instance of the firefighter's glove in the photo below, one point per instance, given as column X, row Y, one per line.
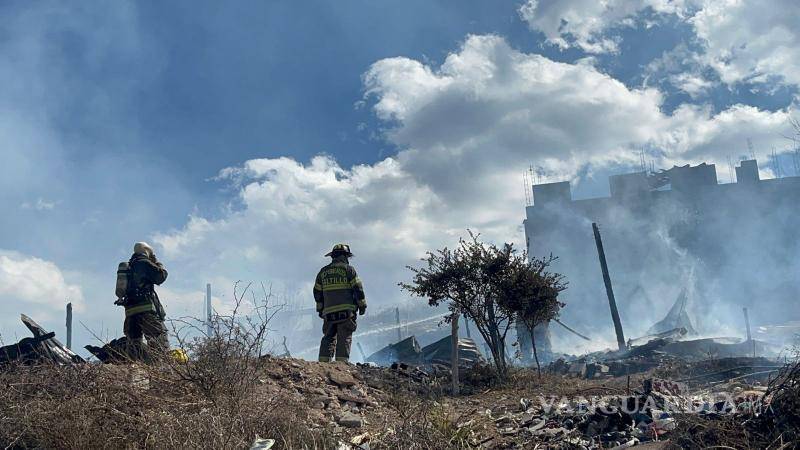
column 362, row 310
column 321, row 316
column 120, row 302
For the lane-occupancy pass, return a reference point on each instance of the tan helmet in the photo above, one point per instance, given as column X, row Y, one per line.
column 340, row 249
column 143, row 247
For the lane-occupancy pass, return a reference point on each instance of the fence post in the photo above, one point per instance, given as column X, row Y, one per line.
column 208, row 310
column 399, row 327
column 454, row 356
column 69, row 325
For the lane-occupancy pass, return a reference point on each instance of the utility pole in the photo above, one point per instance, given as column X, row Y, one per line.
column 208, row 310
column 609, row 289
column 361, row 350
column 454, row 355
column 466, row 327
column 749, row 336
column 69, row 325
column 399, row 328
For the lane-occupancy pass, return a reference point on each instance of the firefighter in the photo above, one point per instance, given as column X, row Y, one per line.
column 144, row 314
column 339, row 294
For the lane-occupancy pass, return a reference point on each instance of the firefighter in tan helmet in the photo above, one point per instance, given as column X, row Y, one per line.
column 144, row 313
column 338, row 293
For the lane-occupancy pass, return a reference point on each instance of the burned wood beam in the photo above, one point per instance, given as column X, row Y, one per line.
column 609, row 289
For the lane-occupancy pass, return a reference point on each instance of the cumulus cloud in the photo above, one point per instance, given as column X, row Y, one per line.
column 467, row 129
column 584, row 23
column 290, row 214
column 741, row 40
column 750, row 40
column 37, row 287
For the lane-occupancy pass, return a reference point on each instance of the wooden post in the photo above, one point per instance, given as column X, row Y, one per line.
column 69, row 326
column 361, row 350
column 399, row 328
column 208, row 310
column 747, row 323
column 609, row 289
column 749, row 336
column 454, row 356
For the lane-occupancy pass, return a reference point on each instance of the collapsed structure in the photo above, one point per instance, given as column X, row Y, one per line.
column 42, row 347
column 677, row 233
column 408, row 351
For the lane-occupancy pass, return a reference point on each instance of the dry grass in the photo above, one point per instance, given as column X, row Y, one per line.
column 216, row 400
column 96, row 406
column 423, row 423
column 777, row 426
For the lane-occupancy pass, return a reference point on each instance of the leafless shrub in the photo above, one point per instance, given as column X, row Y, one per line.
column 215, row 400
column 226, row 359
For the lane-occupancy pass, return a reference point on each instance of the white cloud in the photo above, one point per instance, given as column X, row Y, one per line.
column 741, row 40
column 468, row 129
column 290, row 216
column 584, row 23
column 751, row 40
column 39, row 205
column 691, row 83
column 34, row 286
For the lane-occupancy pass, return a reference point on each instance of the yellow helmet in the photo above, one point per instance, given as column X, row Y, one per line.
column 179, row 355
column 340, row 249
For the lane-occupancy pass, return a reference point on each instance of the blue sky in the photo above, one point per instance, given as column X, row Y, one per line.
column 196, row 126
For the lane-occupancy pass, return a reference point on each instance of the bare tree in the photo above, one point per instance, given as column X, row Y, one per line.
column 232, row 355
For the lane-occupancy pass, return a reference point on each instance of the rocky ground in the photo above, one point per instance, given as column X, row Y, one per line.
column 366, row 407
column 301, row 404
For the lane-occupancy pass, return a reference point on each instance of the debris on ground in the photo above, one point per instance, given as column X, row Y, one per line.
column 659, row 351
column 649, row 395
column 42, row 347
column 408, row 351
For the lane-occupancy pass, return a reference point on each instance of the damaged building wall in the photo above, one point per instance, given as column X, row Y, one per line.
column 728, row 245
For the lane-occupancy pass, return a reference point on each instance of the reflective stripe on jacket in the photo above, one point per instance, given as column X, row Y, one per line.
column 338, row 288
column 141, row 296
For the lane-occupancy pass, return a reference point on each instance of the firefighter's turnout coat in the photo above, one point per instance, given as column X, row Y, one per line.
column 338, row 291
column 141, row 297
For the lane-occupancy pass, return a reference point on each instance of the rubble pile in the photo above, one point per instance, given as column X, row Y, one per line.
column 782, row 398
column 408, row 351
column 42, row 347
column 659, row 351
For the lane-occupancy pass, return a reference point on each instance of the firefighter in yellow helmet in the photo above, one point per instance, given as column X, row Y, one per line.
column 339, row 294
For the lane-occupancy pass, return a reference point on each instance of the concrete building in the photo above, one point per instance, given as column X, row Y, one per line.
column 733, row 243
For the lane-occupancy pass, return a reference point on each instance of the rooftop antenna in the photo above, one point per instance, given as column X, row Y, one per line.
column 642, row 161
column 796, row 160
column 730, row 169
column 776, row 164
column 796, row 157
column 750, row 148
column 527, row 187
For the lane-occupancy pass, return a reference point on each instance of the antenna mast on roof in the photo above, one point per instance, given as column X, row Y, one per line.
column 730, row 168
column 776, row 164
column 796, row 156
column 642, row 161
column 750, row 148
column 796, row 159
column 527, row 186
